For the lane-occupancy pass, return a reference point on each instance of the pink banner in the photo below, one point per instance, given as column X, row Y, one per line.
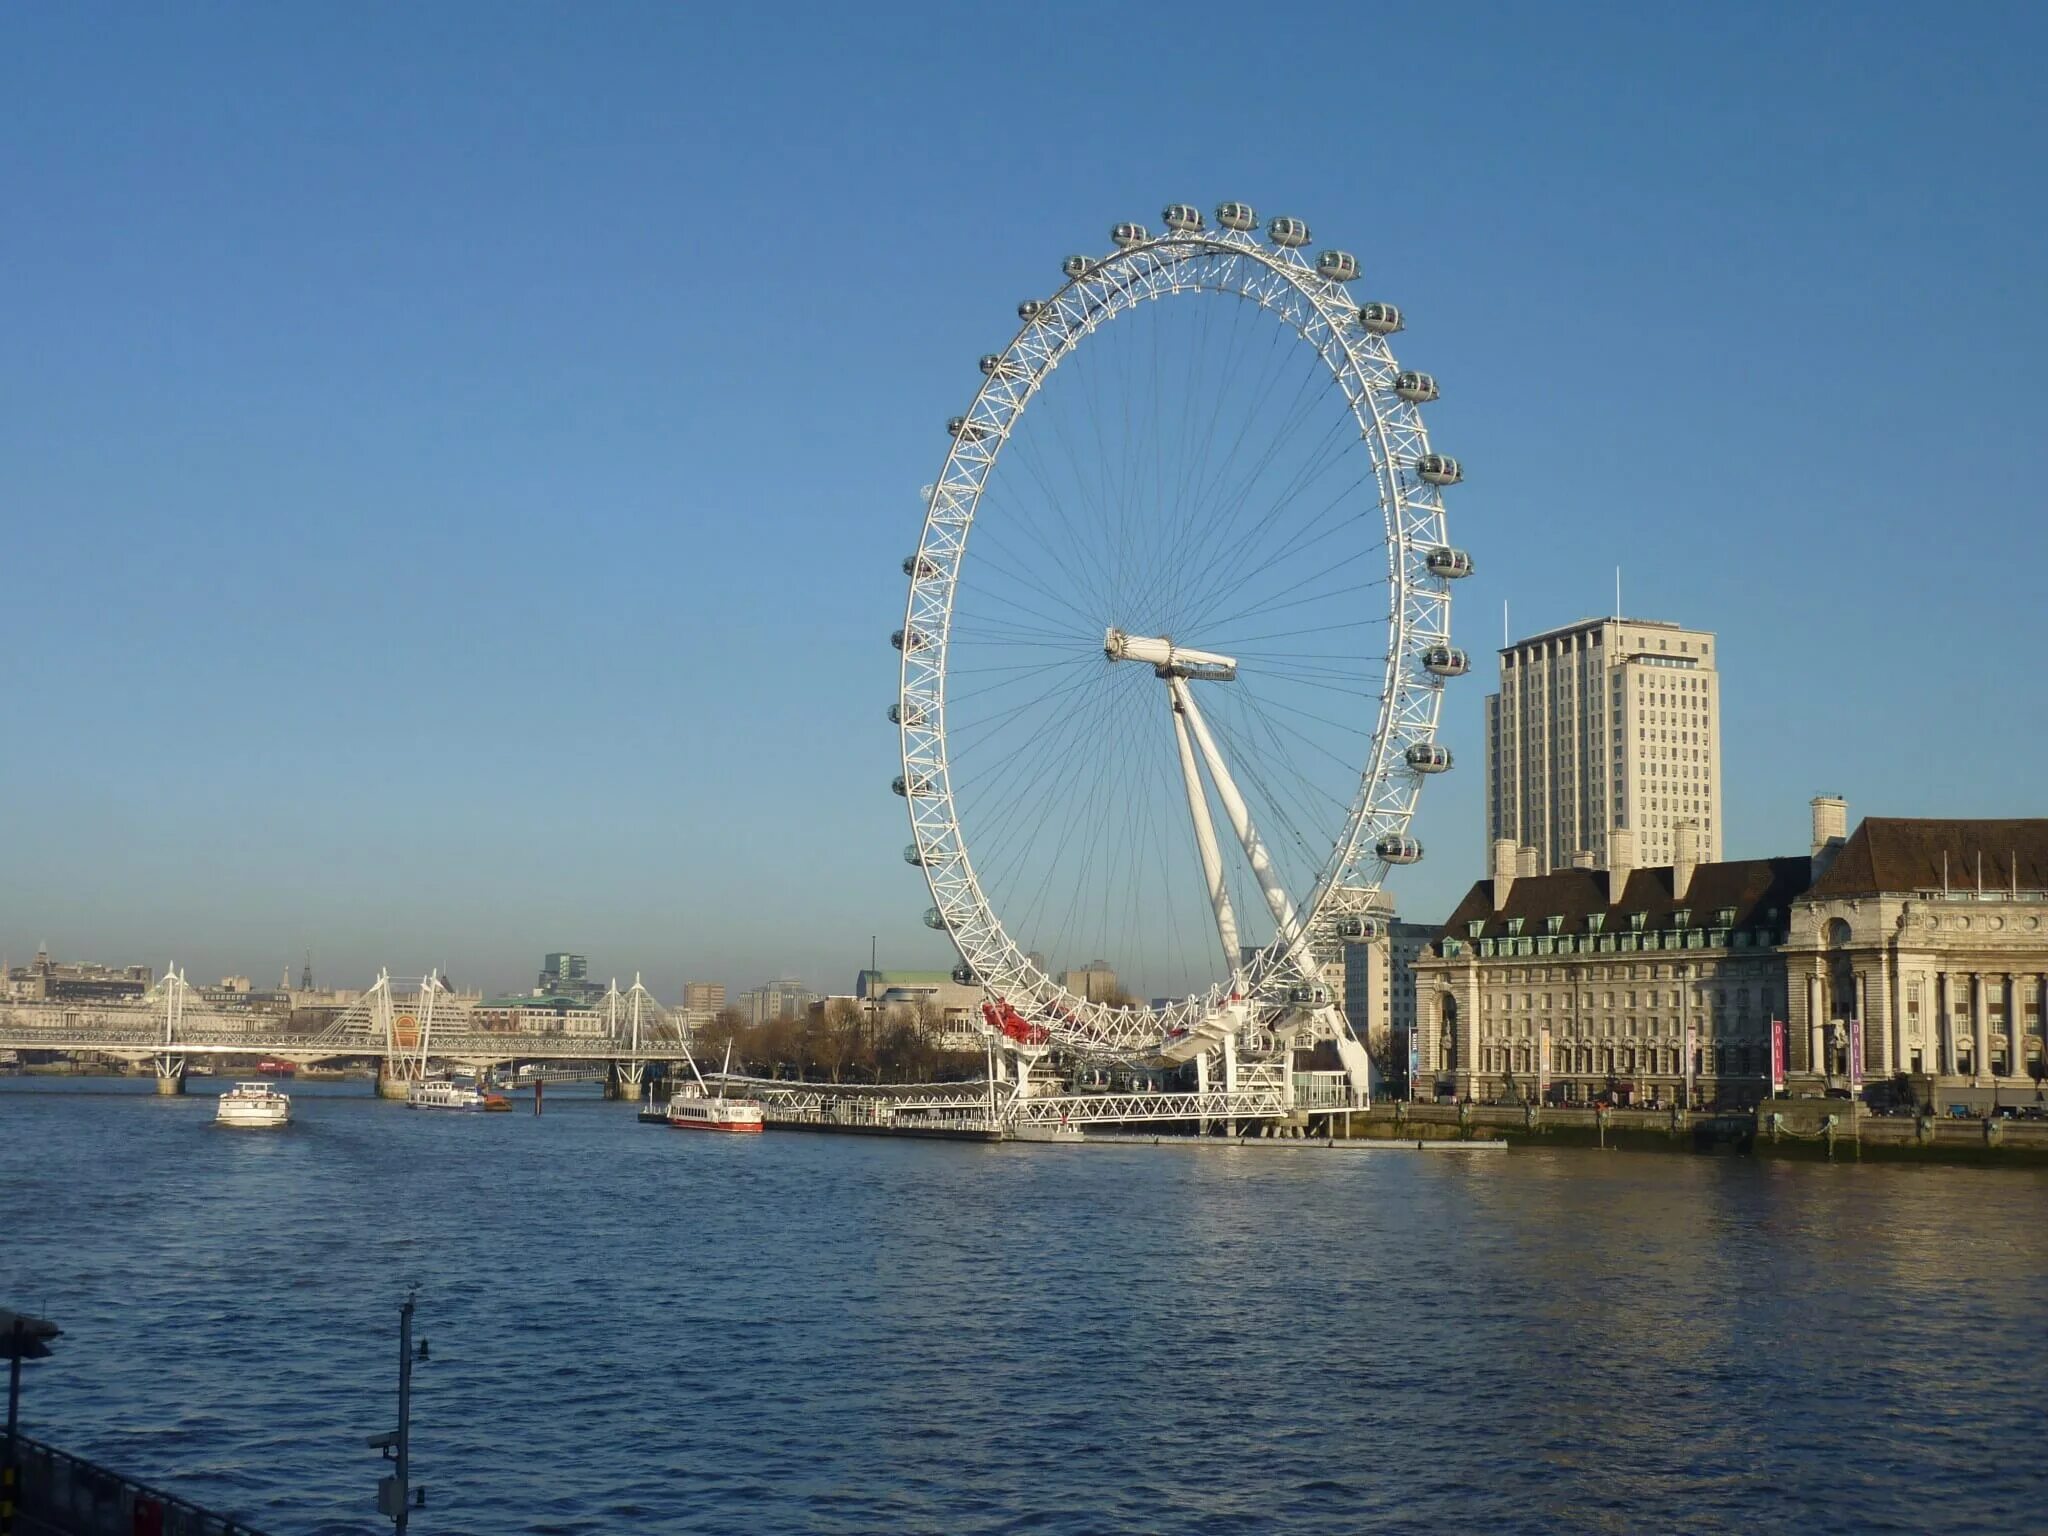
column 1777, row 1057
column 1855, row 1053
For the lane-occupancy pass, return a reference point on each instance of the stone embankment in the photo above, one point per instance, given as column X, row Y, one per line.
column 1796, row 1128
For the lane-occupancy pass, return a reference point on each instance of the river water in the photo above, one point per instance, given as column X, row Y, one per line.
column 637, row 1329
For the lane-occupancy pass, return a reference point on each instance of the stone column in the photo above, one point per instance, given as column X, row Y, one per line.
column 1980, row 1030
column 1943, row 999
column 1890, row 1040
column 2015, row 1042
column 1814, row 1060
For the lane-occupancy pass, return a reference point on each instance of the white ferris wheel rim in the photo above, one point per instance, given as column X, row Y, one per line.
column 1322, row 314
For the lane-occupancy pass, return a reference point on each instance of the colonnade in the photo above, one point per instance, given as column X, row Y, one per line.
column 1886, row 1048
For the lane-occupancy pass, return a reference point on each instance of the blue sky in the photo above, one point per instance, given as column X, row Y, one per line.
column 454, row 461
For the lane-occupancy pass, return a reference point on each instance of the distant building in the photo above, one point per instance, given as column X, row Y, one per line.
column 44, row 980
column 703, row 1001
column 1605, row 723
column 954, row 1008
column 567, row 975
column 787, row 998
column 1094, row 982
column 537, row 1014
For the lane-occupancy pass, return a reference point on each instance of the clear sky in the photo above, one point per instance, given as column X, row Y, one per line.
column 455, row 460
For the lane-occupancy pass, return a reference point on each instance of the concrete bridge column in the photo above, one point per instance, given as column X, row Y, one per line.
column 390, row 1084
column 170, row 1074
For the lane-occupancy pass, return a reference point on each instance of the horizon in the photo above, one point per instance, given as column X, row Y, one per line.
column 463, row 462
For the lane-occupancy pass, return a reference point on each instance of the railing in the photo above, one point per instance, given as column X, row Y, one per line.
column 84, row 1499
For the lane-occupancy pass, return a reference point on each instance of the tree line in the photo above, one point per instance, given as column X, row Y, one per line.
column 840, row 1041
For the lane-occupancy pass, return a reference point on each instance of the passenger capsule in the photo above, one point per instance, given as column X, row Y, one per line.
column 897, row 786
column 963, row 975
column 1237, row 216
column 989, row 364
column 1301, row 996
column 913, row 641
column 1356, row 928
column 920, row 566
column 1030, row 309
column 912, row 717
column 912, row 856
column 1182, row 218
column 934, row 918
column 913, row 788
column 1077, row 266
column 967, row 431
column 1446, row 661
column 1429, row 757
column 1439, row 469
column 1415, row 388
column 1380, row 319
column 1399, row 848
column 1128, row 235
column 1449, row 563
column 1291, row 233
column 1337, row 266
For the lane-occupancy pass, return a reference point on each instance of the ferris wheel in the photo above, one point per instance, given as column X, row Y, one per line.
column 1175, row 644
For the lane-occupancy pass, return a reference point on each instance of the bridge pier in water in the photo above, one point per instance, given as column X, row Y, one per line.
column 170, row 1074
column 624, row 1079
column 392, row 1085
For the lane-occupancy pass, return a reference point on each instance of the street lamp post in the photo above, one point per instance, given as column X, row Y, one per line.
column 396, row 1498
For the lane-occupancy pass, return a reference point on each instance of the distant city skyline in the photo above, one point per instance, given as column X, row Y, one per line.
column 456, row 492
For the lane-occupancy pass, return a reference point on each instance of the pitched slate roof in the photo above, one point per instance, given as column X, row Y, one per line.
column 1902, row 853
column 1751, row 886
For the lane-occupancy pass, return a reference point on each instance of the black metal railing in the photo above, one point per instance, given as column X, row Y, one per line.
column 81, row 1498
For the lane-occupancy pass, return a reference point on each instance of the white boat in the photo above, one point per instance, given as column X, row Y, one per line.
column 254, row 1105
column 440, row 1093
column 692, row 1109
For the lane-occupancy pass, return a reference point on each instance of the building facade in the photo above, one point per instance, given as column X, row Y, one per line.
column 1606, row 723
column 1921, row 953
column 1633, row 985
column 785, row 998
column 567, row 975
column 44, row 980
column 952, row 1010
column 703, row 1001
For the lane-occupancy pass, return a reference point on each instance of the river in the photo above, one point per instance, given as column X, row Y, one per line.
column 637, row 1329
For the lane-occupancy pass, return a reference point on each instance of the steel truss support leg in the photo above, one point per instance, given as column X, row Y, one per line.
column 1205, row 839
column 1356, row 1063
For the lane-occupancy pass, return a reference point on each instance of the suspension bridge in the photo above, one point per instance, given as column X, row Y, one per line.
column 408, row 1029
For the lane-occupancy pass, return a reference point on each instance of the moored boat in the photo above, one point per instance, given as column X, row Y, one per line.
column 691, row 1109
column 442, row 1093
column 254, row 1106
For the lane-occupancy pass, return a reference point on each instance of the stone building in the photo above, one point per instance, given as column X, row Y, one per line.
column 1924, row 943
column 1636, row 984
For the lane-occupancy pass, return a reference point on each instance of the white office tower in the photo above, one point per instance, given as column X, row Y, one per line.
column 1607, row 723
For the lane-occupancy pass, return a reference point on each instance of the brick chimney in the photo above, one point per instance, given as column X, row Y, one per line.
column 1503, row 871
column 1621, row 862
column 1686, row 837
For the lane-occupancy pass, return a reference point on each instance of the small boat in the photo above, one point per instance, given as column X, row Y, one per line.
column 271, row 1067
column 253, row 1105
column 691, row 1109
column 441, row 1093
column 497, row 1104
